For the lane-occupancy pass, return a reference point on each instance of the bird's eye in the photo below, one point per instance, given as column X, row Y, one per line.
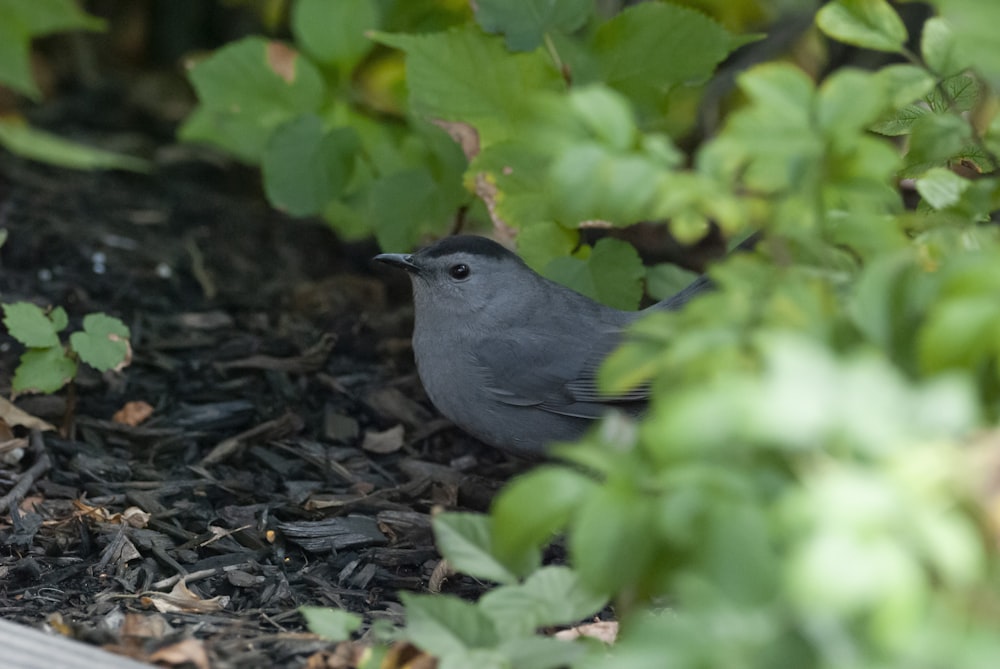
column 459, row 271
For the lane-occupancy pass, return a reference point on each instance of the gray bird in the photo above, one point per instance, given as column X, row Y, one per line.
column 506, row 354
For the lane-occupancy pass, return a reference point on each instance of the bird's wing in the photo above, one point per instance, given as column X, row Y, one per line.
column 551, row 371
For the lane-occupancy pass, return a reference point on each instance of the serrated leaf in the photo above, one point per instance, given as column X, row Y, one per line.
column 335, row 32
column 305, row 167
column 445, row 625
column 872, row 24
column 525, row 22
column 650, row 48
column 331, row 624
column 511, row 177
column 464, row 75
column 550, row 596
column 465, row 540
column 22, row 139
column 528, row 512
column 941, row 188
column 960, row 92
column 245, row 90
column 612, row 274
column 103, row 344
column 29, row 325
column 901, row 122
column 43, row 370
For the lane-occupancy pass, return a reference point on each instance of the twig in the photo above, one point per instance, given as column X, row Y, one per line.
column 28, row 478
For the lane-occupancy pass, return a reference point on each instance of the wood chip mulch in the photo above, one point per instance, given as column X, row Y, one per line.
column 268, row 447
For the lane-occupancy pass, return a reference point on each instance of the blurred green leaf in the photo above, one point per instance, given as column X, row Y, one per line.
column 465, row 540
column 531, row 509
column 246, row 90
column 612, row 274
column 525, row 23
column 941, row 188
column 610, row 542
column 650, row 48
column 331, row 624
column 23, row 21
column 550, row 596
column 305, row 167
column 445, row 625
column 940, row 50
column 335, row 32
column 871, row 24
column 22, row 139
column 972, row 24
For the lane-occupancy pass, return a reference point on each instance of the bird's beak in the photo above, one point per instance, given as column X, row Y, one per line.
column 400, row 260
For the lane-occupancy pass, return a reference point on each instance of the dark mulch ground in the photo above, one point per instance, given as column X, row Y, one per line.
column 291, row 457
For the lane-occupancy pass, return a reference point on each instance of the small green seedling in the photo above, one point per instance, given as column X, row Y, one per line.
column 49, row 364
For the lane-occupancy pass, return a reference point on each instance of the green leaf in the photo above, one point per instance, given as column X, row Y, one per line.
column 43, row 370
column 20, row 138
column 941, row 188
column 332, row 624
column 245, row 90
column 103, row 343
column 539, row 243
column 464, row 75
column 20, row 22
column 610, row 542
column 650, row 48
column 525, row 22
column 511, row 176
column 444, row 625
column 959, row 333
column 406, row 205
column 935, row 139
column 612, row 274
column 550, row 596
column 30, row 325
column 531, row 509
column 871, row 24
column 905, row 83
column 940, row 50
column 960, row 92
column 306, row 167
column 848, row 101
column 542, row 652
column 666, row 280
column 974, row 26
column 335, row 32
column 901, row 122
column 465, row 540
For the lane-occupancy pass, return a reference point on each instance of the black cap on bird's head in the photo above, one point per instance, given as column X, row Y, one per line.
column 471, row 245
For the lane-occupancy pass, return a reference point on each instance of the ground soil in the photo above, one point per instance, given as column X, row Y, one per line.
column 291, row 457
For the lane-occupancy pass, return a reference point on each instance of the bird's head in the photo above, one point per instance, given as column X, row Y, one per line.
column 463, row 275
